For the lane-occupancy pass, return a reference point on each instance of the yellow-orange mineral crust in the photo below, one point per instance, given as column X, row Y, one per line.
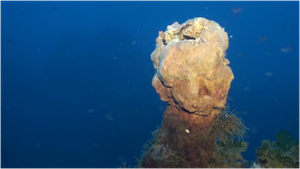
column 191, row 68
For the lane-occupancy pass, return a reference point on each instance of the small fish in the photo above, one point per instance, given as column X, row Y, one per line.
column 286, row 49
column 109, row 116
column 92, row 110
column 54, row 8
column 10, row 42
column 261, row 39
column 229, row 98
column 269, row 74
column 247, row 88
column 236, row 10
column 244, row 112
column 268, row 54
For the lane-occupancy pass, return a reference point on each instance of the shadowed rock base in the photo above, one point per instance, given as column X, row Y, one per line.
column 182, row 141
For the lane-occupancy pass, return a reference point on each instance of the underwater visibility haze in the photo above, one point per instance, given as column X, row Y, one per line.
column 149, row 84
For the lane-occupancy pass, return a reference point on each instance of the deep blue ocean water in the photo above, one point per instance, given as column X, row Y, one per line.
column 76, row 76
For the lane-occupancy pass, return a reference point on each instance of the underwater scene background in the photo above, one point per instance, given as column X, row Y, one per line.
column 76, row 76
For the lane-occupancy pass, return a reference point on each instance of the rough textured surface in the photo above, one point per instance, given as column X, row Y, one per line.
column 191, row 68
column 192, row 76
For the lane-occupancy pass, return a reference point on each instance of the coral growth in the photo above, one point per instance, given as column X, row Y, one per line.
column 282, row 153
column 193, row 77
column 218, row 147
column 228, row 130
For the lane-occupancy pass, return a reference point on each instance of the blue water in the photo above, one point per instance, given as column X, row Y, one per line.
column 76, row 76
